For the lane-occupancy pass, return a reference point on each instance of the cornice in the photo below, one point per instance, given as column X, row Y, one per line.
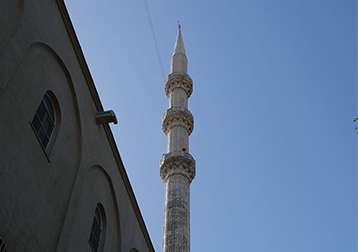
column 178, row 80
column 177, row 162
column 177, row 116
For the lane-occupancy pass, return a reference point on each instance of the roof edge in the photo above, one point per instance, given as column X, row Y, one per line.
column 109, row 134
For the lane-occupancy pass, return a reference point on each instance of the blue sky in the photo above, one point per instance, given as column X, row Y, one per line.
column 275, row 93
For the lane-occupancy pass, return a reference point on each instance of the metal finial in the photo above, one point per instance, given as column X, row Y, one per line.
column 179, row 25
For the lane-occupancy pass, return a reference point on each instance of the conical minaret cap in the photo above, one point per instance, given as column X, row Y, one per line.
column 179, row 43
column 179, row 62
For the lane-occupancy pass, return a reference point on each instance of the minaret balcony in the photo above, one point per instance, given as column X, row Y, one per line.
column 177, row 116
column 177, row 162
column 178, row 80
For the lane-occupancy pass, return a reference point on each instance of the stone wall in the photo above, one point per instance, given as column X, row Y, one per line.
column 49, row 196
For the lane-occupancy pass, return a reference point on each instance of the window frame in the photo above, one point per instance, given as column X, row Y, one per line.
column 99, row 219
column 2, row 245
column 53, row 116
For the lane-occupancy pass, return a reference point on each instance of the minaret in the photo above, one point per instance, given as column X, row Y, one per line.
column 177, row 166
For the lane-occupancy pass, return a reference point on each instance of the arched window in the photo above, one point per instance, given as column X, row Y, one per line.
column 2, row 245
column 45, row 121
column 96, row 230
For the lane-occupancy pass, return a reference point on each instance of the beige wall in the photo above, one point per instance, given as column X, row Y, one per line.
column 48, row 202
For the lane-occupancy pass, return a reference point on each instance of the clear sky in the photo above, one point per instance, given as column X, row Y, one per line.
column 275, row 93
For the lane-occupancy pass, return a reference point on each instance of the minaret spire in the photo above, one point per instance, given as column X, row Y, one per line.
column 179, row 62
column 177, row 166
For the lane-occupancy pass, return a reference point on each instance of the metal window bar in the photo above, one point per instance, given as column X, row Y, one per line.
column 44, row 131
column 96, row 228
column 48, row 105
column 46, row 115
column 50, row 115
column 93, row 242
column 98, row 217
column 95, row 234
column 2, row 246
column 48, row 125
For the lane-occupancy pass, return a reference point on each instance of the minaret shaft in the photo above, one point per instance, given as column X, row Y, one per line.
column 177, row 166
column 177, row 214
column 178, row 98
column 178, row 139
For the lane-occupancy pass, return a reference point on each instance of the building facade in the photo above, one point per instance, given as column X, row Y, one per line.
column 63, row 186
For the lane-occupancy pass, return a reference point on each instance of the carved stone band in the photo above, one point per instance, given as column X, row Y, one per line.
column 175, row 116
column 177, row 162
column 179, row 80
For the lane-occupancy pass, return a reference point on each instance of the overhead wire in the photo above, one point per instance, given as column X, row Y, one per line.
column 149, row 19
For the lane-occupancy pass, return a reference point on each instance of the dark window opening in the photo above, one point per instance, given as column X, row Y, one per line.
column 44, row 121
column 2, row 245
column 96, row 231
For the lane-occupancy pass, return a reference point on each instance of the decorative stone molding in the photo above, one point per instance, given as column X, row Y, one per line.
column 175, row 116
column 177, row 162
column 179, row 80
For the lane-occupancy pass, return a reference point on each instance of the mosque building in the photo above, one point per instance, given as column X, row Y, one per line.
column 63, row 185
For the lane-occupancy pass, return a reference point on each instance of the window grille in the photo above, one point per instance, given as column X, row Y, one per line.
column 44, row 121
column 2, row 245
column 96, row 231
